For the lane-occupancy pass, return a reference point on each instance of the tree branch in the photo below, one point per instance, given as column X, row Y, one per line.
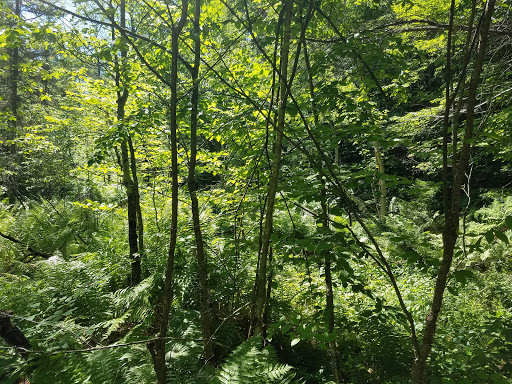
column 430, row 25
column 31, row 250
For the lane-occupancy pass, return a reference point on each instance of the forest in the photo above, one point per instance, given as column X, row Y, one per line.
column 255, row 191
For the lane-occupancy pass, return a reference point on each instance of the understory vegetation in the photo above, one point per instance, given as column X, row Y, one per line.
column 295, row 191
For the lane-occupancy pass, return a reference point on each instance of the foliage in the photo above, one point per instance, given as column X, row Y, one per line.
column 359, row 195
column 248, row 363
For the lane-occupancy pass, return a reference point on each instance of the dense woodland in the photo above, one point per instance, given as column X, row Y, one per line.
column 249, row 191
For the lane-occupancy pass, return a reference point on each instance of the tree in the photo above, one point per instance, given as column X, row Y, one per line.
column 293, row 155
column 452, row 192
column 260, row 296
column 128, row 164
column 158, row 348
column 200, row 252
column 14, row 99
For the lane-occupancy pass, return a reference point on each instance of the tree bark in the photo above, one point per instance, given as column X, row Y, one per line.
column 257, row 326
column 202, row 269
column 157, row 348
column 128, row 183
column 136, row 191
column 452, row 211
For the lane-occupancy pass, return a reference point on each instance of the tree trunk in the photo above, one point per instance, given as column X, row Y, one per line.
column 136, row 191
column 157, row 348
column 382, row 184
column 13, row 121
column 329, row 294
column 135, row 275
column 329, row 313
column 270, row 279
column 257, row 325
column 128, row 182
column 451, row 227
column 202, row 269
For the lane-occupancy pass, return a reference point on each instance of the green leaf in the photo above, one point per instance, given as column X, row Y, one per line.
column 453, row 291
column 378, row 305
column 121, row 44
column 475, row 246
column 463, row 275
column 105, row 55
column 508, row 221
column 52, row 37
column 501, row 236
column 338, row 225
column 489, row 236
column 411, row 256
column 330, row 337
column 367, row 313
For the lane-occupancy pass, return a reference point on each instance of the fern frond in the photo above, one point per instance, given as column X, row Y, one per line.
column 251, row 364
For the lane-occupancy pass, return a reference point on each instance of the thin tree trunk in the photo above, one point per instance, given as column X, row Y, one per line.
column 136, row 191
column 260, row 296
column 337, row 148
column 128, row 182
column 202, row 269
column 270, row 278
column 157, row 348
column 382, row 183
column 329, row 293
column 13, row 106
column 329, row 312
column 461, row 90
column 451, row 227
column 132, row 213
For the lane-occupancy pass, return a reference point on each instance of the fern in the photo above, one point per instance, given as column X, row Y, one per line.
column 184, row 356
column 10, row 366
column 131, row 305
column 249, row 364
